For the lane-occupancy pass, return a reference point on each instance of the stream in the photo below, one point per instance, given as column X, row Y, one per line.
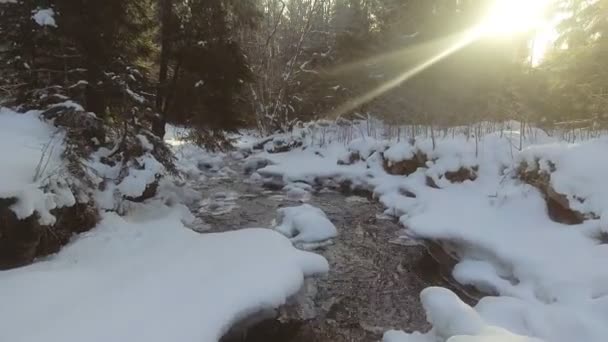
column 374, row 280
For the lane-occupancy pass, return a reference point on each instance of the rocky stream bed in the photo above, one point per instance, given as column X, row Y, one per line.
column 375, row 276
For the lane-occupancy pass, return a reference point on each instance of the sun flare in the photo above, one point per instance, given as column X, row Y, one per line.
column 508, row 17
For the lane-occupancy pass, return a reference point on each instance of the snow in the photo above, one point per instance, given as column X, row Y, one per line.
column 305, row 224
column 580, row 172
column 68, row 104
column 142, row 172
column 366, row 146
column 44, row 17
column 146, row 277
column 453, row 321
column 32, row 149
column 400, row 151
column 544, row 275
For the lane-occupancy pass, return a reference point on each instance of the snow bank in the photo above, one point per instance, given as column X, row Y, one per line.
column 578, row 171
column 305, row 224
column 453, row 321
column 32, row 149
column 146, row 277
column 547, row 276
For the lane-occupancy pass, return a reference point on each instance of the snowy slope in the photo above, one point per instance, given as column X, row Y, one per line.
column 546, row 275
column 148, row 278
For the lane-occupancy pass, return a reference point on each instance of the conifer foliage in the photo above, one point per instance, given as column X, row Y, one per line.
column 126, row 60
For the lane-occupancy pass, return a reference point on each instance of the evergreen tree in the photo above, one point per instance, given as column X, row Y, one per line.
column 202, row 67
column 576, row 68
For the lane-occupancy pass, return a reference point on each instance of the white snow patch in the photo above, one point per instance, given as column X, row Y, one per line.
column 32, row 149
column 148, row 278
column 453, row 321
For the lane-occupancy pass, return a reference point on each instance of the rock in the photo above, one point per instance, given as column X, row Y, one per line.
column 463, row 174
column 19, row 239
column 405, row 167
column 558, row 205
column 149, row 192
column 22, row 241
column 350, row 158
column 430, row 182
column 284, row 143
column 251, row 165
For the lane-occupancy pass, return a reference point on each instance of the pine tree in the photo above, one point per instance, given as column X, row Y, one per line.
column 202, row 68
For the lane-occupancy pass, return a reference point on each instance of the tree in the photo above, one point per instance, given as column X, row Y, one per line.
column 202, row 68
column 576, row 68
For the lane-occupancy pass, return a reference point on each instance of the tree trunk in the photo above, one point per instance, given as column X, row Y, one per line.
column 94, row 96
column 161, row 91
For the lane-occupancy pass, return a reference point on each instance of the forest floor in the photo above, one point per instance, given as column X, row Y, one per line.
column 374, row 282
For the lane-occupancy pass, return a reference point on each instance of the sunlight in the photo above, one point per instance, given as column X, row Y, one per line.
column 508, row 17
column 458, row 42
column 504, row 19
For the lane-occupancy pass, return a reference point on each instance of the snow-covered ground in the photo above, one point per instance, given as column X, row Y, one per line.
column 546, row 277
column 146, row 277
column 143, row 276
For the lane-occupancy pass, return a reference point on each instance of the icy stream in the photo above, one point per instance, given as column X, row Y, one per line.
column 375, row 278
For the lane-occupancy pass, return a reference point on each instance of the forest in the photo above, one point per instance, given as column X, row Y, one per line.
column 303, row 170
column 267, row 64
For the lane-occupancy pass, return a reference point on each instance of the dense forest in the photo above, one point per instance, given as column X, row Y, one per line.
column 226, row 64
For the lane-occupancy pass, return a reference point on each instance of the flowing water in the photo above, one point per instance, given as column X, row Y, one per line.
column 375, row 277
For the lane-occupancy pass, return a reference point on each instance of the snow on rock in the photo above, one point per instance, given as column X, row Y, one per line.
column 305, row 224
column 399, row 152
column 44, row 17
column 361, row 150
column 577, row 171
column 453, row 321
column 146, row 277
